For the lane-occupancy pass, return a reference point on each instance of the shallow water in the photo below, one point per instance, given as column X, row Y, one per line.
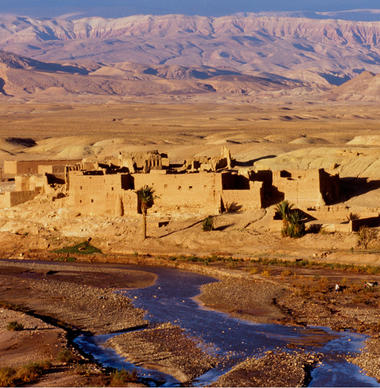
column 171, row 300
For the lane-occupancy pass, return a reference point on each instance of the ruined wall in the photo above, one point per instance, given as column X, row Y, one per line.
column 51, row 169
column 329, row 187
column 184, row 192
column 97, row 194
column 373, row 222
column 20, row 167
column 200, row 193
column 129, row 202
column 246, row 199
column 301, row 188
column 13, row 198
column 31, row 183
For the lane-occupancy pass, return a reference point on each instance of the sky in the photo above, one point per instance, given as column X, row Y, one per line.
column 116, row 8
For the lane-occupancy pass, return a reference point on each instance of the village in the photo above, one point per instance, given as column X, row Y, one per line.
column 204, row 186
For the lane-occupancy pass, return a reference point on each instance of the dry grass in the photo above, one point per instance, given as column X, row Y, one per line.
column 23, row 375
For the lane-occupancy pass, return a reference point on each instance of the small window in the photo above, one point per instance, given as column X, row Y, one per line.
column 112, row 188
column 92, row 201
column 81, row 188
column 80, row 201
column 165, row 186
column 190, row 187
column 285, row 174
column 205, row 186
column 179, row 187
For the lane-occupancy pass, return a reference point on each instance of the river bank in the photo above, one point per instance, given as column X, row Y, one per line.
column 78, row 295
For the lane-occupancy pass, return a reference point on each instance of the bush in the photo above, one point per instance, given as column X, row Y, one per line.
column 122, row 377
column 266, row 273
column 31, row 372
column 7, row 377
column 15, row 326
column 70, row 259
column 285, row 273
column 295, row 227
column 292, row 223
column 208, row 224
column 24, row 374
column 366, row 236
column 66, row 356
column 83, row 248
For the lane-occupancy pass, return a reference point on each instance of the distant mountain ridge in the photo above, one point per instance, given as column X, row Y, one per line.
column 320, row 51
column 247, row 55
column 27, row 79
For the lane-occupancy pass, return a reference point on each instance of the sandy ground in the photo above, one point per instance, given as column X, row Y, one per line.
column 148, row 125
column 369, row 359
column 42, row 342
column 274, row 369
column 81, row 307
column 165, row 348
column 73, row 300
column 249, row 299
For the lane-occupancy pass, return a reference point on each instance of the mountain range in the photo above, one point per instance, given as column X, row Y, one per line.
column 245, row 55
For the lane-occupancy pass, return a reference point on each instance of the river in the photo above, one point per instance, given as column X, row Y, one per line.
column 171, row 299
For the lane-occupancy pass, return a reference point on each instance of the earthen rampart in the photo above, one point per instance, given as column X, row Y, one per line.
column 14, row 198
column 307, row 188
column 12, row 168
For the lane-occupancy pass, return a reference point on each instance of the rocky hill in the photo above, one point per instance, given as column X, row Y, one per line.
column 23, row 78
column 364, row 87
column 250, row 56
column 322, row 51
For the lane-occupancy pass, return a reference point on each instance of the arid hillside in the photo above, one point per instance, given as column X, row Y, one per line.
column 322, row 52
column 23, row 78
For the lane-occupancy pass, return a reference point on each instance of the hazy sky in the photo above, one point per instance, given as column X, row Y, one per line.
column 113, row 8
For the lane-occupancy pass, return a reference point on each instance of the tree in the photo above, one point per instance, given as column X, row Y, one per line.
column 145, row 197
column 292, row 223
column 284, row 208
column 366, row 236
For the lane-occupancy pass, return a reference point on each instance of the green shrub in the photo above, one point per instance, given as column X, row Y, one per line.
column 366, row 236
column 292, row 223
column 122, row 377
column 69, row 259
column 31, row 372
column 295, row 227
column 15, row 326
column 66, row 356
column 83, row 248
column 208, row 224
column 286, row 273
column 254, row 271
column 83, row 370
column 23, row 375
column 266, row 273
column 7, row 377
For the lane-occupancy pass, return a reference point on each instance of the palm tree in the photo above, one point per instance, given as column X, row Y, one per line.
column 145, row 196
column 297, row 225
column 284, row 208
column 292, row 222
